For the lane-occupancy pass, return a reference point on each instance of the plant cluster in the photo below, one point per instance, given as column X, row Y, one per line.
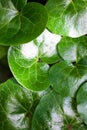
column 43, row 65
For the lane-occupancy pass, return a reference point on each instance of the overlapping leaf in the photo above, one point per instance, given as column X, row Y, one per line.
column 32, row 59
column 21, row 22
column 82, row 102
column 67, row 17
column 27, row 65
column 73, row 49
column 56, row 113
column 66, row 77
column 17, row 105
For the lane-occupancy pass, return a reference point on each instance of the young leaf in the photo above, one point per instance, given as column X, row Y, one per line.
column 56, row 113
column 27, row 66
column 66, row 77
column 82, row 102
column 73, row 49
column 67, row 17
column 21, row 22
column 16, row 106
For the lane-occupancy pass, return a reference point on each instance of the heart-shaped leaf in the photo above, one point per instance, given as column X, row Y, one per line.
column 21, row 22
column 56, row 113
column 27, row 66
column 17, row 105
column 73, row 49
column 66, row 77
column 67, row 17
column 82, row 102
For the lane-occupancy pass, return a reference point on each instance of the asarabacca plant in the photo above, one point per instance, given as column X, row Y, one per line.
column 43, row 65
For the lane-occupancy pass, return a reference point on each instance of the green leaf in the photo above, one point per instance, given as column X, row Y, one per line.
column 67, row 17
column 27, row 67
column 19, row 4
column 82, row 102
column 73, row 49
column 47, row 44
column 21, row 22
column 66, row 77
column 17, row 105
column 56, row 113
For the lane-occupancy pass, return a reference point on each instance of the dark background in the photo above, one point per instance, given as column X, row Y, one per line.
column 39, row 1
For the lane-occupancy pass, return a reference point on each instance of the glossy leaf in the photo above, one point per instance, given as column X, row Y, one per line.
column 73, row 49
column 16, row 106
column 82, row 102
column 27, row 67
column 19, row 21
column 47, row 43
column 56, row 113
column 66, row 77
column 67, row 17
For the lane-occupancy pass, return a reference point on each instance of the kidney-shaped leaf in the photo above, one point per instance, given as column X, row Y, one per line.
column 73, row 49
column 66, row 78
column 82, row 102
column 21, row 22
column 16, row 106
column 27, row 66
column 56, row 113
column 67, row 17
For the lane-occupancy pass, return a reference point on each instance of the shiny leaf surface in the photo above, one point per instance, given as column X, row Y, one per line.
column 19, row 21
column 73, row 49
column 27, row 66
column 67, row 17
column 82, row 102
column 66, row 78
column 56, row 113
column 47, row 43
column 16, row 106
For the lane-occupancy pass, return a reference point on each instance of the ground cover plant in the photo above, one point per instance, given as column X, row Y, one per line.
column 43, row 65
